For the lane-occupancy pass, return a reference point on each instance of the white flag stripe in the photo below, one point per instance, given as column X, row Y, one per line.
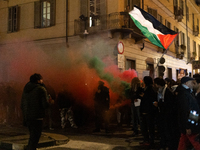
column 135, row 13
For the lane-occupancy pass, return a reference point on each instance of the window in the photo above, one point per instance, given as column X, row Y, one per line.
column 181, row 3
column 167, row 24
column 199, row 51
column 188, row 45
column 187, row 13
column 150, row 67
column 182, row 38
column 130, row 64
column 193, row 19
column 194, row 46
column 160, row 18
column 169, row 72
column 177, row 71
column 94, row 12
column 153, row 12
column 44, row 13
column 13, row 19
column 176, row 41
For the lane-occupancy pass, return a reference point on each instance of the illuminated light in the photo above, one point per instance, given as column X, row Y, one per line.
column 194, row 112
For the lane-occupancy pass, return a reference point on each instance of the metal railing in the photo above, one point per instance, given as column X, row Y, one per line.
column 116, row 20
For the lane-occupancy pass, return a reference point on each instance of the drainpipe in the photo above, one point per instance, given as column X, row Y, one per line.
column 188, row 52
column 67, row 23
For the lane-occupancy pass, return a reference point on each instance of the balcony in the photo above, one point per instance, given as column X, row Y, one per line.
column 114, row 22
column 178, row 12
column 195, row 30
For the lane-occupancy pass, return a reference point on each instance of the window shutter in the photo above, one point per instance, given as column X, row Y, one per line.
column 17, row 18
column 37, row 14
column 53, row 12
column 10, row 19
column 103, row 14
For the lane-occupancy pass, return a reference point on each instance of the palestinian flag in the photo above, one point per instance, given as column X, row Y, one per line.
column 155, row 31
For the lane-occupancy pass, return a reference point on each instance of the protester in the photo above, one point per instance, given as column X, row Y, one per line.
column 65, row 103
column 166, row 120
column 197, row 90
column 101, row 106
column 48, row 120
column 148, row 110
column 33, row 104
column 187, row 107
column 136, row 95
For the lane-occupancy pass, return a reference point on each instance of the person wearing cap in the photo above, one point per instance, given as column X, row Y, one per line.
column 186, row 103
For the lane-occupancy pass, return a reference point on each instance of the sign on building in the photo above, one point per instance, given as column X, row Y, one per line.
column 120, row 61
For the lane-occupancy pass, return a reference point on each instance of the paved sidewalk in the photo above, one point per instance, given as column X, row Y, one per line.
column 16, row 138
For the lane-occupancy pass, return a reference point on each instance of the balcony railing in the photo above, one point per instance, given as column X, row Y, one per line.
column 195, row 30
column 178, row 12
column 113, row 21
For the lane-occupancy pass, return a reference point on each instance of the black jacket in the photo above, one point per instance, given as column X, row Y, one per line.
column 64, row 99
column 136, row 94
column 102, row 98
column 34, row 101
column 167, row 107
column 186, row 102
column 146, row 105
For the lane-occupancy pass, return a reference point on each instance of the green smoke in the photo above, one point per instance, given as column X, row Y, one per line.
column 98, row 65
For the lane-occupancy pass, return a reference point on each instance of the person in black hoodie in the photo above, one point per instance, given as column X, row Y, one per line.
column 33, row 104
column 165, row 117
column 147, row 111
column 187, row 107
column 101, row 106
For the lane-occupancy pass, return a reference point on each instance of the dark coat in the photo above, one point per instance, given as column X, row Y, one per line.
column 136, row 94
column 146, row 105
column 64, row 99
column 168, row 105
column 186, row 102
column 34, row 101
column 102, row 98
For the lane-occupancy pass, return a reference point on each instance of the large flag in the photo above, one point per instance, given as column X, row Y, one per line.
column 155, row 31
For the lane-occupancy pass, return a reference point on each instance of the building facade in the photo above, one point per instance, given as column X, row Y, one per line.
column 103, row 28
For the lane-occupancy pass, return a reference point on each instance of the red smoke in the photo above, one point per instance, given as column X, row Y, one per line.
column 59, row 69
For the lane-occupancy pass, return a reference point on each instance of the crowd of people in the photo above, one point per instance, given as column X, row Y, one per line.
column 158, row 108
column 169, row 109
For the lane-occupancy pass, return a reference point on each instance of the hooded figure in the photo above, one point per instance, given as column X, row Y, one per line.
column 33, row 104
